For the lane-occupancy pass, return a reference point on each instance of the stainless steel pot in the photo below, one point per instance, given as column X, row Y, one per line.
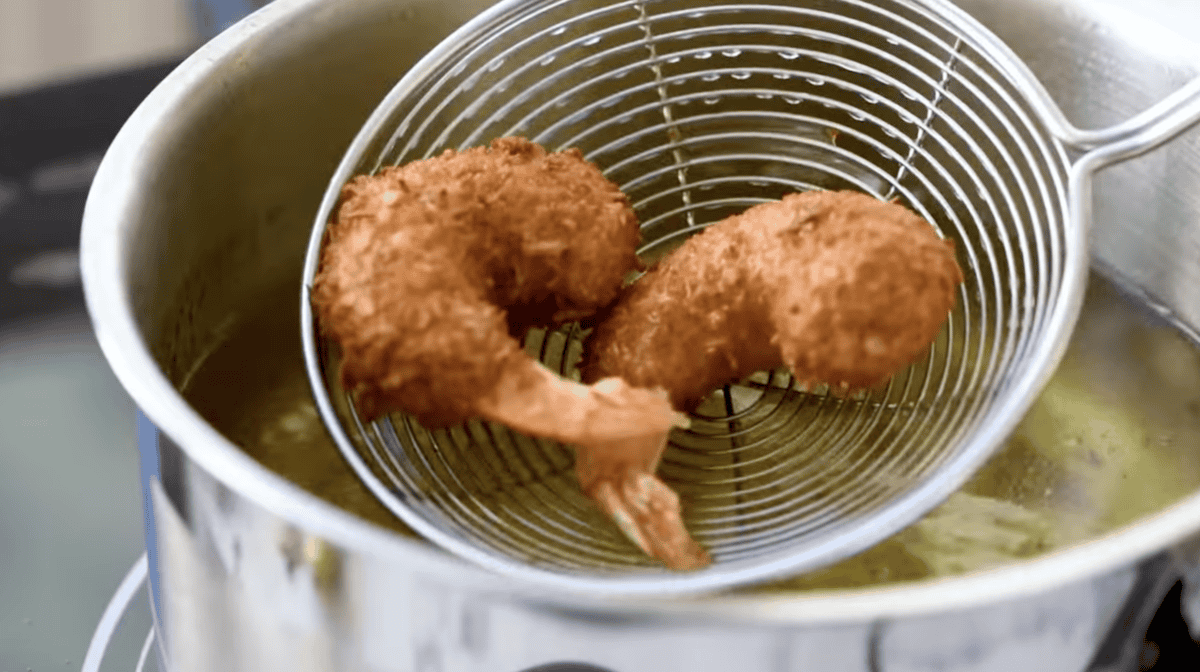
column 202, row 206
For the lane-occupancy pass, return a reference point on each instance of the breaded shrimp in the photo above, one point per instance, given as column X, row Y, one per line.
column 430, row 269
column 839, row 287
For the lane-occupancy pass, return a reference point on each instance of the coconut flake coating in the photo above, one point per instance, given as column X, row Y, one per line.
column 429, row 269
column 839, row 287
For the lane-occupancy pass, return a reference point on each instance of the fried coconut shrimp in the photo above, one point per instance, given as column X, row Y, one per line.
column 430, row 269
column 839, row 287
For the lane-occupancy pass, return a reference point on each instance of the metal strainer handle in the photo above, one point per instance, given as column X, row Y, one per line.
column 1138, row 134
column 1098, row 148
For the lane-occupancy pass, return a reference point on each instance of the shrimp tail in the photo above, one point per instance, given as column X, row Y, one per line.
column 618, row 433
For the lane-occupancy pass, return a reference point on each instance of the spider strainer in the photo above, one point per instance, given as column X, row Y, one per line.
column 698, row 110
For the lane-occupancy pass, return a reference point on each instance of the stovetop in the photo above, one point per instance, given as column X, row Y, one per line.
column 70, row 518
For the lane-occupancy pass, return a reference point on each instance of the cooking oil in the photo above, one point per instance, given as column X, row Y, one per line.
column 1115, row 436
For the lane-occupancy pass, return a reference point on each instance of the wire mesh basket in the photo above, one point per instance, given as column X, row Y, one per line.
column 698, row 110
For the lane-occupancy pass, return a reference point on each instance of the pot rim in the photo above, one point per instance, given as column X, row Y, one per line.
column 114, row 198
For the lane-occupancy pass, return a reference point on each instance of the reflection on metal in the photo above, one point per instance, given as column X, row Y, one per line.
column 65, row 174
column 131, row 586
column 213, row 16
column 8, row 195
column 56, row 268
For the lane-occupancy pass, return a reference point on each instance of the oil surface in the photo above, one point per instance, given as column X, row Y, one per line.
column 1114, row 436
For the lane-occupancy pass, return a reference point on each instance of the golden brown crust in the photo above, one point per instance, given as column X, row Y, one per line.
column 429, row 267
column 838, row 286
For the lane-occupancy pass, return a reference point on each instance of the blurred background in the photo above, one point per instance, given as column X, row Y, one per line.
column 71, row 72
column 47, row 40
column 51, row 40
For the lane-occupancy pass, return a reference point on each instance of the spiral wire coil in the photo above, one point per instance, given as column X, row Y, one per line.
column 698, row 110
